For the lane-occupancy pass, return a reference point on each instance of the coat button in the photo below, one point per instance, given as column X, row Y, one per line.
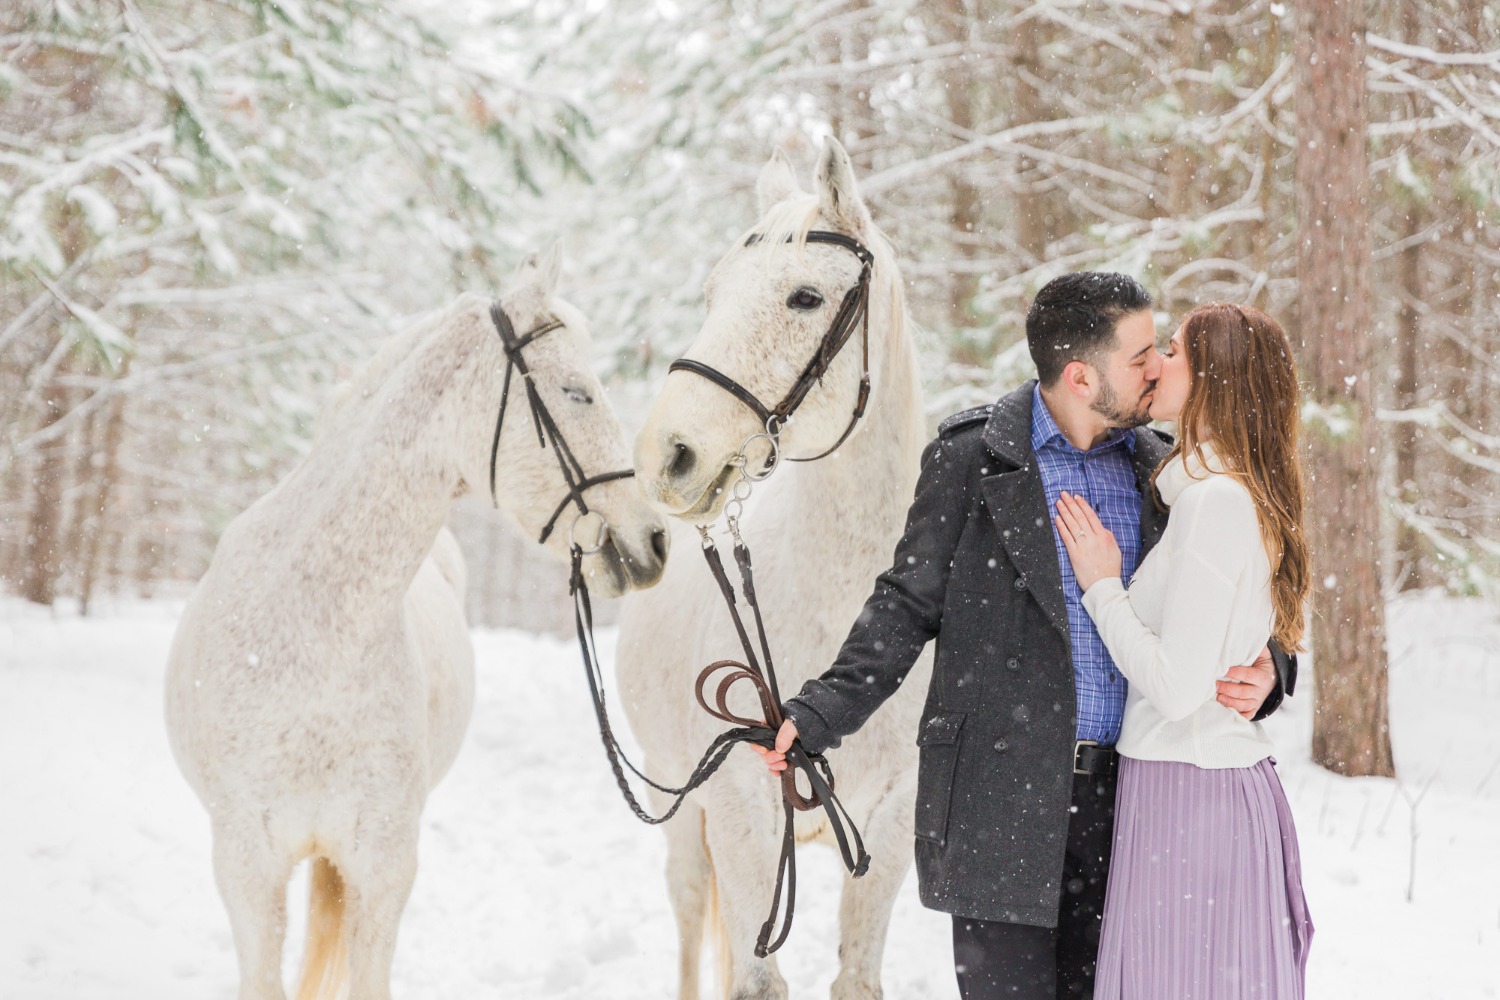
column 1020, row 583
column 1013, row 663
column 1001, row 746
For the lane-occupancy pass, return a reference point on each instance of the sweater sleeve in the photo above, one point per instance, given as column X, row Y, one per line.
column 1175, row 670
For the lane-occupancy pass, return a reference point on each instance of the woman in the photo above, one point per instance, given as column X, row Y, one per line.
column 1205, row 894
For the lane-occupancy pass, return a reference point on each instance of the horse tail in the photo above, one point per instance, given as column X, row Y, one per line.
column 325, row 958
column 714, row 929
column 720, row 937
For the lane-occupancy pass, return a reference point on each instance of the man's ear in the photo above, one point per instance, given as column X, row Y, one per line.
column 1080, row 379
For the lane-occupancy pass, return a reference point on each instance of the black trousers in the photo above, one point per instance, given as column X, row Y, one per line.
column 1019, row 962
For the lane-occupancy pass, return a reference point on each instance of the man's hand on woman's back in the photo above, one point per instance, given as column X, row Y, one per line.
column 1248, row 686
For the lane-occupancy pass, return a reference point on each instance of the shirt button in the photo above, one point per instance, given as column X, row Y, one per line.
column 1001, row 746
column 1020, row 583
column 1013, row 664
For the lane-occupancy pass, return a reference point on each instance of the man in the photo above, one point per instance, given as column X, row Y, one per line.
column 1016, row 783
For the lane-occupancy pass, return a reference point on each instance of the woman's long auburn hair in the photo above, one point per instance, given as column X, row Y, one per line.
column 1244, row 399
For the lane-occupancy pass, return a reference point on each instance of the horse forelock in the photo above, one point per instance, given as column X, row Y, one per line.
column 789, row 222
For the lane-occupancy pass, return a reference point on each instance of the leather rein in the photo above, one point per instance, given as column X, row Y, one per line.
column 761, row 732
column 759, row 671
column 854, row 311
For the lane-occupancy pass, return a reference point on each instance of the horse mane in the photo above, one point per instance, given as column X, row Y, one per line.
column 350, row 398
column 350, row 395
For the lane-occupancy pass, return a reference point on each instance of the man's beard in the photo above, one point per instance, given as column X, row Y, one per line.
column 1108, row 406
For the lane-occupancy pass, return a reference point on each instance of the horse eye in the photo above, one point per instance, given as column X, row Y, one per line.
column 577, row 395
column 805, row 298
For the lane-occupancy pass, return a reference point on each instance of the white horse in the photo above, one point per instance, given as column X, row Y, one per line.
column 322, row 676
column 819, row 533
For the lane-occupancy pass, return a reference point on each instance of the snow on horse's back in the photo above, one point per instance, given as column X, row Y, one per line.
column 819, row 532
column 322, row 676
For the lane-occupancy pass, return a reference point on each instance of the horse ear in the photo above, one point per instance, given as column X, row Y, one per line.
column 540, row 270
column 838, row 194
column 777, row 181
column 549, row 268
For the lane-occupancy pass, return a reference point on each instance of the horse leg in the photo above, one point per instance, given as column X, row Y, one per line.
column 689, row 872
column 378, row 877
column 252, row 877
column 866, row 902
column 743, row 842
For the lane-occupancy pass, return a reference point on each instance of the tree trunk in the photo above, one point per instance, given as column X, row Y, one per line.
column 1351, row 729
column 106, row 472
column 851, row 116
column 1032, row 225
column 43, row 563
column 966, row 218
column 1410, row 574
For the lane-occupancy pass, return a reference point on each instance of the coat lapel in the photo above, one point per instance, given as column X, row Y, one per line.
column 1018, row 504
column 1019, row 507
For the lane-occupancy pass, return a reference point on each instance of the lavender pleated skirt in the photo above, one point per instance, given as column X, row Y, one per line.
column 1205, row 887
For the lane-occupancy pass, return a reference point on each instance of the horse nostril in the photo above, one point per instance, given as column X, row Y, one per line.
column 659, row 545
column 682, row 461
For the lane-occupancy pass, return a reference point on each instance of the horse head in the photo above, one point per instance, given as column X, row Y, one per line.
column 777, row 370
column 560, row 448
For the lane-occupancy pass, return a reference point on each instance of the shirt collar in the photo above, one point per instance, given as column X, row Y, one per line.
column 1044, row 429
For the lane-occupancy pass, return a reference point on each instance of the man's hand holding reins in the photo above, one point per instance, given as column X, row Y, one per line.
column 776, row 759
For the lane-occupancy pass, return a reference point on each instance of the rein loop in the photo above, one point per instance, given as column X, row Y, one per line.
column 720, row 677
column 813, row 767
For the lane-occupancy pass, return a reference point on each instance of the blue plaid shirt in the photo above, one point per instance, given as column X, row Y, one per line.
column 1105, row 477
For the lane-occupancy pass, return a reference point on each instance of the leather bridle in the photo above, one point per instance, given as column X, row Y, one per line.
column 578, row 481
column 855, row 309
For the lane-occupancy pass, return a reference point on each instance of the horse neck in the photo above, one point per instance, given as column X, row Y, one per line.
column 375, row 490
column 860, row 495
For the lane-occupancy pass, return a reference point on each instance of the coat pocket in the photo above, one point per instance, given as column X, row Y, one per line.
column 939, row 740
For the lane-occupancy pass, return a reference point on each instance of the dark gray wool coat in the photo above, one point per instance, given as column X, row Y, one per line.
column 976, row 570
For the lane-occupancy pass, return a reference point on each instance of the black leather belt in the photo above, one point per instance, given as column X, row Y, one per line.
column 1091, row 758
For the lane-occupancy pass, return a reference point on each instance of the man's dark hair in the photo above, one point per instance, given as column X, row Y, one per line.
column 1073, row 319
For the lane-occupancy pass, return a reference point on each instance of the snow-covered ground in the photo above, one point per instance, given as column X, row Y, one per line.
column 536, row 881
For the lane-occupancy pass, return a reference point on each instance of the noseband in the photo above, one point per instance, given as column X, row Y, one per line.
column 855, row 309
column 546, row 427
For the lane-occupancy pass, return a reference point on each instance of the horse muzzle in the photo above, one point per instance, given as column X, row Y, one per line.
column 620, row 565
column 678, row 481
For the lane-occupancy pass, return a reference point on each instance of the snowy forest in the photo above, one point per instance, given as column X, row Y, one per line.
column 212, row 211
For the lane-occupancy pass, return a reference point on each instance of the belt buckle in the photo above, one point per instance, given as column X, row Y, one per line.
column 1078, row 749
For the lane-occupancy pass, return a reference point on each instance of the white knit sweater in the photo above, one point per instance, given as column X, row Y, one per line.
column 1199, row 603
